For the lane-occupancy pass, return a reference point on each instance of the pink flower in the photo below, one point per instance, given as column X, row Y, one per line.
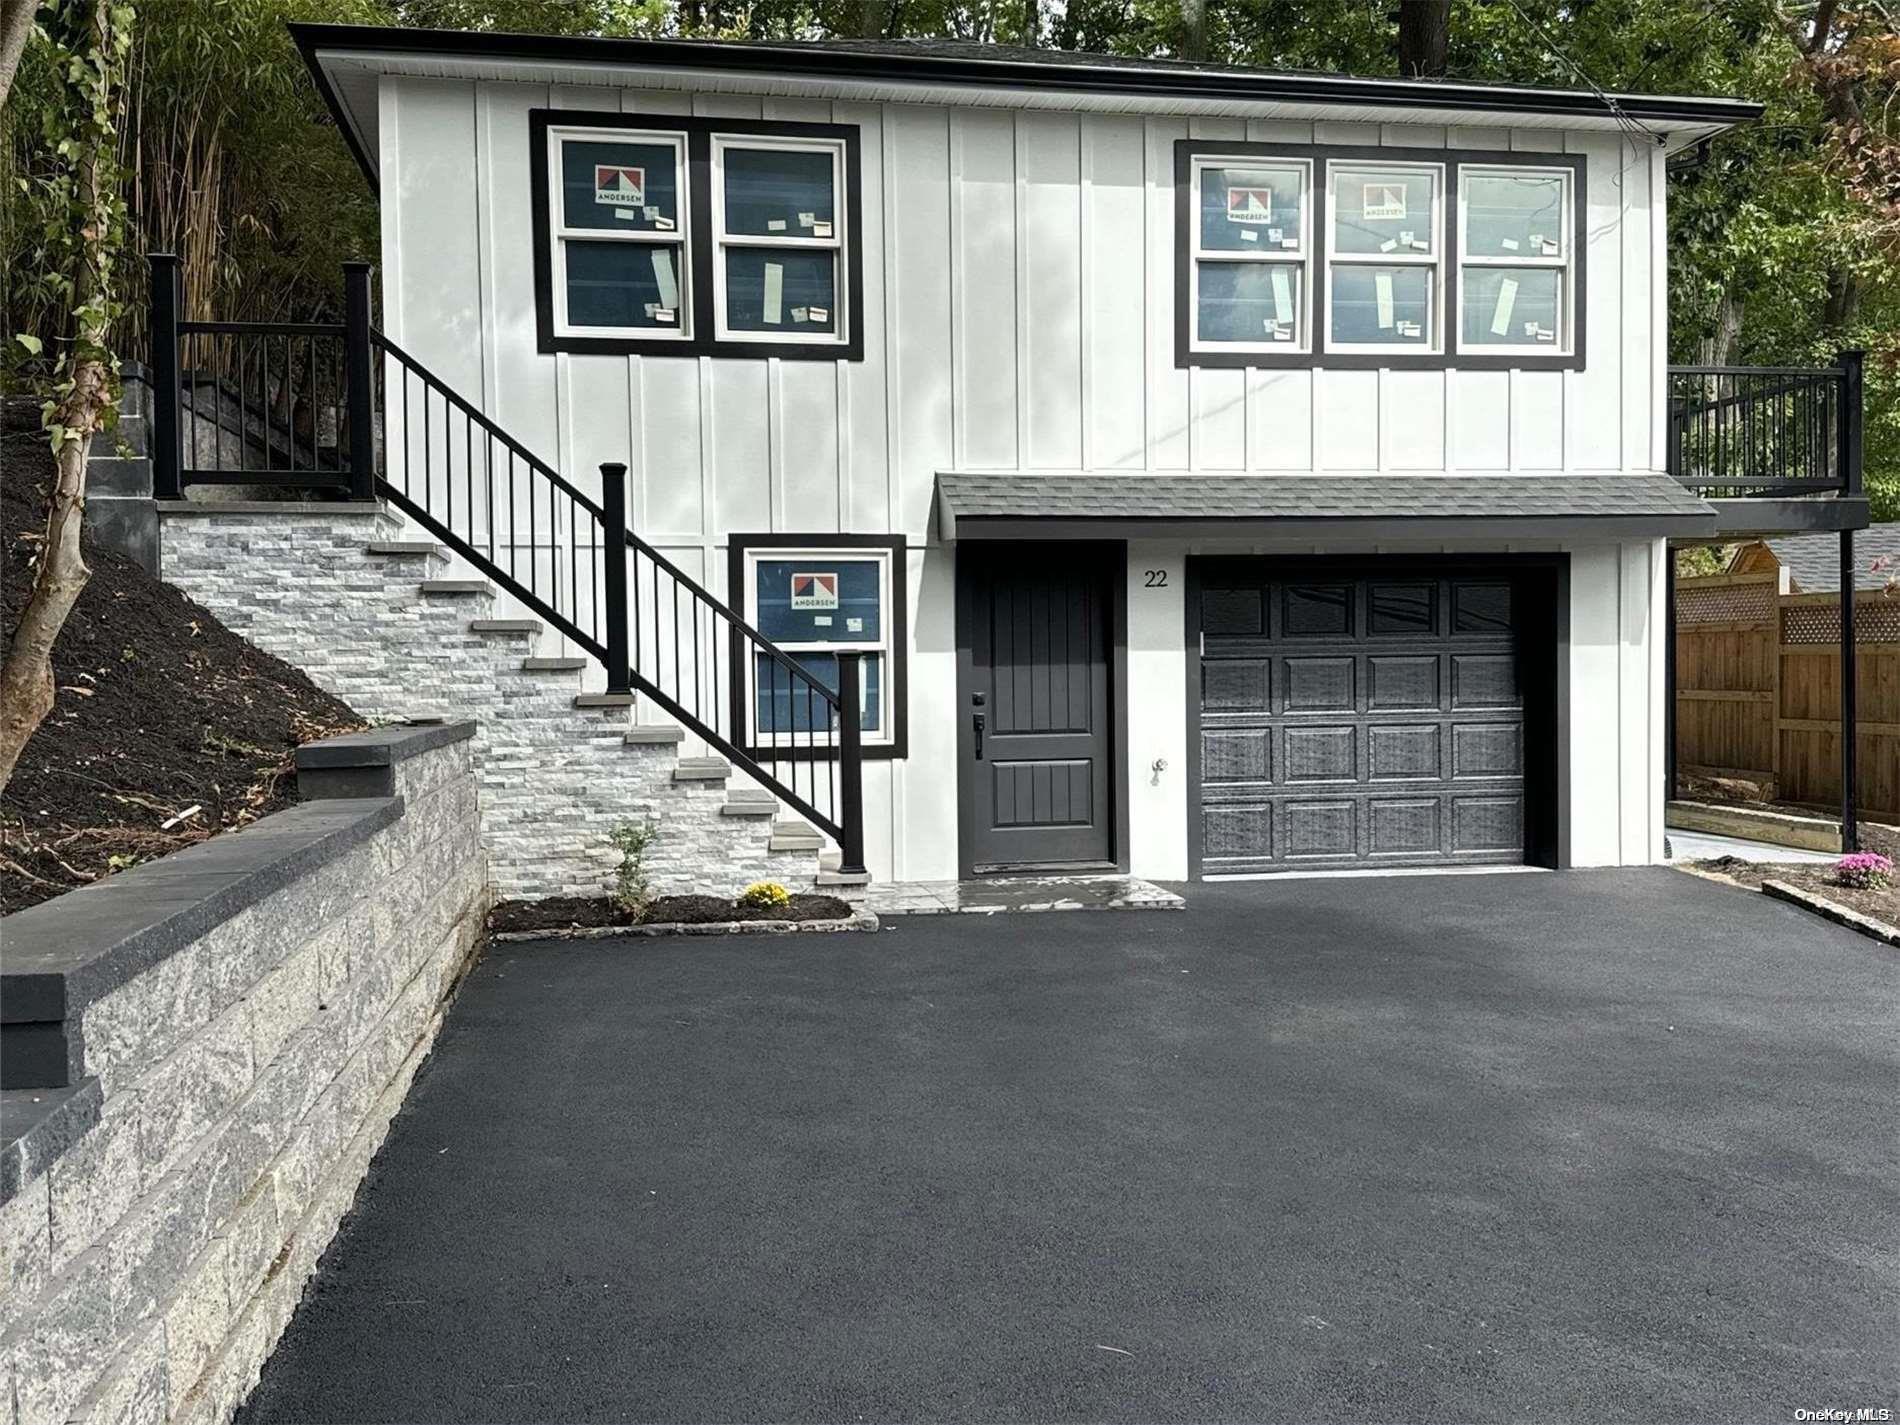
column 1864, row 870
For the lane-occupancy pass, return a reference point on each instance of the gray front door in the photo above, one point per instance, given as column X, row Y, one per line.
column 1364, row 715
column 1034, row 634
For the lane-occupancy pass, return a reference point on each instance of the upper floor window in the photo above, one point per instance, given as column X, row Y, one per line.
column 690, row 236
column 1361, row 257
column 1253, row 253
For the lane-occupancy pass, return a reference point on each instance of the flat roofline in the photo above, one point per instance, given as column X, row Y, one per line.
column 1010, row 70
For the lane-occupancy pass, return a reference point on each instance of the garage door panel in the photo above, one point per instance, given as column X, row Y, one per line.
column 1399, row 681
column 1403, row 752
column 1322, row 754
column 1365, row 718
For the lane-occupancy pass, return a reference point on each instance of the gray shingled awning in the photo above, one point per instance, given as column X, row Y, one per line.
column 1024, row 505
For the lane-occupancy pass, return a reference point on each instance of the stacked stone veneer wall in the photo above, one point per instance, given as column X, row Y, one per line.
column 300, row 581
column 237, row 1086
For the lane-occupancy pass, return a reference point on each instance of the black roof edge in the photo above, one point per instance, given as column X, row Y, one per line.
column 1012, row 72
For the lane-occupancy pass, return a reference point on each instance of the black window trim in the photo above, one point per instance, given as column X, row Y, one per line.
column 897, row 676
column 699, row 278
column 1452, row 358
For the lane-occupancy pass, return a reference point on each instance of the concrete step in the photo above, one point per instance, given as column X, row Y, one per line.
column 794, row 835
column 505, row 625
column 553, row 665
column 653, row 735
column 405, row 548
column 455, row 588
column 838, row 881
column 745, row 803
column 702, row 769
column 603, row 700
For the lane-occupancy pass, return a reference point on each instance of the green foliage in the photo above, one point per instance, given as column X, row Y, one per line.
column 633, row 839
column 765, row 895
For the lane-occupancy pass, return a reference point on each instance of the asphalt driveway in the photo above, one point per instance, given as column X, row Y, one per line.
column 1599, row 1146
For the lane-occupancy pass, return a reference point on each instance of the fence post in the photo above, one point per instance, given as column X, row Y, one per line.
column 1852, row 364
column 850, row 765
column 167, row 383
column 359, row 376
column 613, row 537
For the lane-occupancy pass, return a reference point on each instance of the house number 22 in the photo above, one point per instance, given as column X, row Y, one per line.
column 1154, row 579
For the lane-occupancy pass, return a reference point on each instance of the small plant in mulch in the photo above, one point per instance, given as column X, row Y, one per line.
column 765, row 895
column 633, row 892
column 1864, row 871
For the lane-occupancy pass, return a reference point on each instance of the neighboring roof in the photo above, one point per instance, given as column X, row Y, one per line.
column 1813, row 561
column 346, row 59
column 1428, row 506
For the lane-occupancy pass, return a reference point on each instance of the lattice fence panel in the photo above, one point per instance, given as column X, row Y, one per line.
column 1875, row 621
column 1730, row 603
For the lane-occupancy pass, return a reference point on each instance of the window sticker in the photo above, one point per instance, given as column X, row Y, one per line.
column 1501, row 314
column 774, row 295
column 1250, row 205
column 1249, row 235
column 1384, row 201
column 617, row 186
column 821, row 230
column 1382, row 286
column 815, row 591
column 663, row 277
column 1282, row 297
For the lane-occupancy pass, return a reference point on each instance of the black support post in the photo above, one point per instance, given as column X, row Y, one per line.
column 613, row 553
column 1850, row 824
column 850, row 765
column 167, row 383
column 1669, row 673
column 359, row 374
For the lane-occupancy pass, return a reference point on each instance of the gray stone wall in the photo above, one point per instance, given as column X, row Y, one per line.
column 298, row 581
column 247, row 1080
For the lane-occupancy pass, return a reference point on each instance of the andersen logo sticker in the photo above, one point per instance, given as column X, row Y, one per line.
column 1249, row 205
column 620, row 187
column 814, row 591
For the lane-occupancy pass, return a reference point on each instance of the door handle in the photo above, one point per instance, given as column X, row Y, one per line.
column 977, row 724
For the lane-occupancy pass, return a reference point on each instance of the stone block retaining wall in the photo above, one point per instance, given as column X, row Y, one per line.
column 301, row 581
column 241, row 1049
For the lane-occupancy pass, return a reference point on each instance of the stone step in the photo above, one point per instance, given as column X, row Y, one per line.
column 405, row 548
column 744, row 803
column 505, row 625
column 455, row 588
column 603, row 700
column 702, row 769
column 654, row 735
column 553, row 665
column 794, row 835
column 838, row 881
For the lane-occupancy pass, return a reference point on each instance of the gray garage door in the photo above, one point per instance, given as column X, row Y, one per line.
column 1354, row 717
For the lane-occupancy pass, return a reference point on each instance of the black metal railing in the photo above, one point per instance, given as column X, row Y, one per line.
column 565, row 555
column 1766, row 431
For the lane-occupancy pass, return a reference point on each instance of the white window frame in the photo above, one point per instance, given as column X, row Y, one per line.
column 1564, row 263
column 840, row 333
column 560, row 234
column 883, row 645
column 1303, row 259
column 1434, row 262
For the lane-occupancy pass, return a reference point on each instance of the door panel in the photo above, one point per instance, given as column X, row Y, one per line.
column 1352, row 716
column 1035, row 638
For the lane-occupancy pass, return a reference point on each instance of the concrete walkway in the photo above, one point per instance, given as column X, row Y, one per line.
column 1706, row 846
column 1583, row 1146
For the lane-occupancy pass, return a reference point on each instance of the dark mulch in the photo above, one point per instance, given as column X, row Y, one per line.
column 1814, row 878
column 591, row 912
column 160, row 708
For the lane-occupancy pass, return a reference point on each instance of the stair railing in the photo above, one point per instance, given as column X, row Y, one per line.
column 569, row 558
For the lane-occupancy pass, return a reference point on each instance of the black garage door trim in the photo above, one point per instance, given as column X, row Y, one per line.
column 1537, row 582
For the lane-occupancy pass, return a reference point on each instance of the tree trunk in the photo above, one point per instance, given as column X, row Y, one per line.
column 1424, row 38
column 27, row 690
column 1194, row 29
column 1843, row 300
column 1719, row 348
column 16, row 23
column 1032, row 23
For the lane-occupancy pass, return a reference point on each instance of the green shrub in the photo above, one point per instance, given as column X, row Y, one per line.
column 632, row 892
column 765, row 895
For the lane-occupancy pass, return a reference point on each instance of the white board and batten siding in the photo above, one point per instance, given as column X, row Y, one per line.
column 1018, row 315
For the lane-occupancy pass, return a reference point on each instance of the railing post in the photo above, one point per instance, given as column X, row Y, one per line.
column 1852, row 364
column 359, row 376
column 613, row 534
column 167, row 384
column 1850, row 823
column 850, row 765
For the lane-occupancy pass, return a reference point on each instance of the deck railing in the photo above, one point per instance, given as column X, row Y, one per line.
column 1766, row 431
column 310, row 407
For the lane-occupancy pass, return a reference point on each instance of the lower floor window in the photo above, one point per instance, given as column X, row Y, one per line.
column 814, row 601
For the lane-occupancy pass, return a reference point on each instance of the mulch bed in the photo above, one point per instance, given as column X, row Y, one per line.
column 1812, row 877
column 160, row 708
column 598, row 912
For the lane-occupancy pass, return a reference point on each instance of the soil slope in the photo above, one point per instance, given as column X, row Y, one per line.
column 160, row 709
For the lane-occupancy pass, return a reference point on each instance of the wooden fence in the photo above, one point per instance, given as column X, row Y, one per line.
column 1758, row 687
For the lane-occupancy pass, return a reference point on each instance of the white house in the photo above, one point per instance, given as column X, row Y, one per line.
column 1221, row 471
